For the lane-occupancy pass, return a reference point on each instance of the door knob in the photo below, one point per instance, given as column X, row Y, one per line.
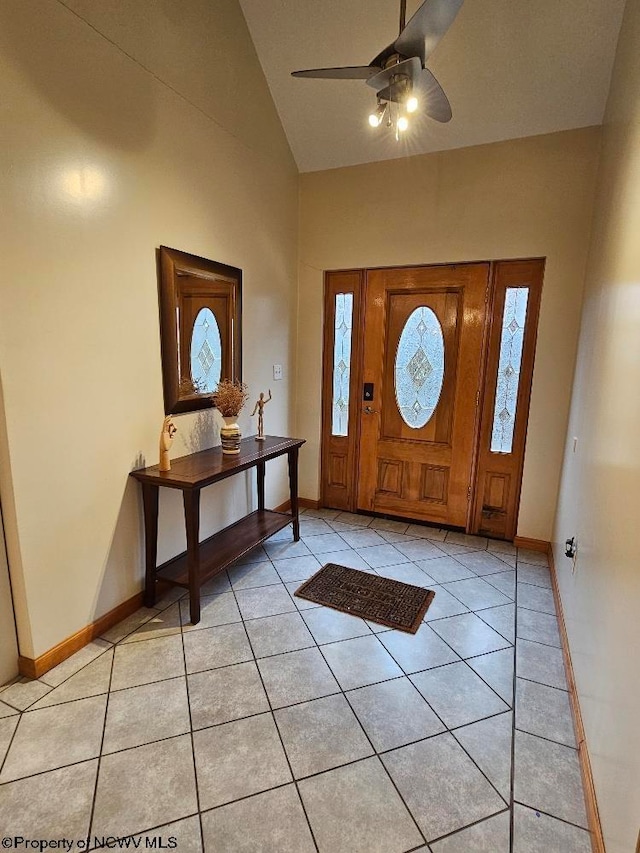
column 369, row 411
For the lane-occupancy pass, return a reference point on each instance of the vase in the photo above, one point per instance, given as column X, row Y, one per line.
column 230, row 436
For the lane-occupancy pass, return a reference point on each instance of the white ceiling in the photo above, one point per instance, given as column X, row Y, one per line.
column 510, row 68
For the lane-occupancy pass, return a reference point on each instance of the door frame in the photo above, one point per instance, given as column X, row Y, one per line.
column 340, row 455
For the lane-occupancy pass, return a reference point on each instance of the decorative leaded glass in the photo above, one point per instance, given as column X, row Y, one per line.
column 511, row 343
column 206, row 352
column 419, row 370
column 341, row 363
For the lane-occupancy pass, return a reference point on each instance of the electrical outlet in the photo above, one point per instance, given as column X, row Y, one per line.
column 277, row 371
column 571, row 551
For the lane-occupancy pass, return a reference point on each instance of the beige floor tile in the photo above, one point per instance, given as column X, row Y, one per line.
column 54, row 737
column 56, row 804
column 145, row 787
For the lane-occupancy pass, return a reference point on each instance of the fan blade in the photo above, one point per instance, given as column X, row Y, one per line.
column 356, row 72
column 408, row 68
column 431, row 97
column 426, row 28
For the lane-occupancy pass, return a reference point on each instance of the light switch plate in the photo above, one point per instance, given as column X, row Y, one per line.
column 277, row 371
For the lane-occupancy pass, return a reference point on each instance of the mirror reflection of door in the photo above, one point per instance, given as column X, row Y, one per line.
column 205, row 354
column 423, row 367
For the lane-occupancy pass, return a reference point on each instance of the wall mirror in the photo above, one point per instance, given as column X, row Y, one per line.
column 200, row 328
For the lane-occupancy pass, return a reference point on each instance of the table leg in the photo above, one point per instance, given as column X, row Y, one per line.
column 293, row 491
column 150, row 506
column 191, row 499
column 260, row 478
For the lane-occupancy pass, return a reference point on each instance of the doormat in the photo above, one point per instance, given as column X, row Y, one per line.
column 383, row 600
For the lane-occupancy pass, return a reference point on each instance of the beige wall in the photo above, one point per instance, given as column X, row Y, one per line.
column 8, row 643
column 525, row 198
column 600, row 494
column 148, row 123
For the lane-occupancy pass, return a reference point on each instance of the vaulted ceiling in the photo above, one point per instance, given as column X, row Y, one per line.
column 511, row 68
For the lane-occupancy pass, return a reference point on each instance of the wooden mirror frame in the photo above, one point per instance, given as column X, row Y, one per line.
column 187, row 283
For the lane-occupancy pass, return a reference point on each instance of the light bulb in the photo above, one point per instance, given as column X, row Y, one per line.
column 403, row 123
column 412, row 104
column 375, row 119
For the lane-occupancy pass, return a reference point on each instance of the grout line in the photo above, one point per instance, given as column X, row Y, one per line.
column 451, row 730
column 460, row 660
column 295, row 704
column 555, row 817
column 133, row 630
column 260, row 713
column 152, row 829
column 543, row 684
column 506, row 639
column 468, row 826
column 542, row 612
column 104, row 729
column 376, row 754
column 191, row 733
column 447, row 729
column 537, row 642
column 535, row 585
column 10, row 744
column 30, row 707
column 547, row 739
column 513, row 721
column 275, row 723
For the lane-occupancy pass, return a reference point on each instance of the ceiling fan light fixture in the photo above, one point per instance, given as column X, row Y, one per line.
column 375, row 119
column 400, row 69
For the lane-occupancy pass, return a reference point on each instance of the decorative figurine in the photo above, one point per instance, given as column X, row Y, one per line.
column 259, row 408
column 166, row 438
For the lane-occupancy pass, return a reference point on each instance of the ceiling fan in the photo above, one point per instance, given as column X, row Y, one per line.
column 398, row 73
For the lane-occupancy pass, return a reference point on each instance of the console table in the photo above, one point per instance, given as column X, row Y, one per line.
column 202, row 560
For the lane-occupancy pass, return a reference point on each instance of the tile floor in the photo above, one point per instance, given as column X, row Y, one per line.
column 276, row 725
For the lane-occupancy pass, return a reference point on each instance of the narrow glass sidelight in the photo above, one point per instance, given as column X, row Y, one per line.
column 341, row 363
column 206, row 352
column 419, row 368
column 508, row 379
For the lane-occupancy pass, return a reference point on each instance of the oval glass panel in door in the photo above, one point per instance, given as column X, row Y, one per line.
column 206, row 352
column 419, row 370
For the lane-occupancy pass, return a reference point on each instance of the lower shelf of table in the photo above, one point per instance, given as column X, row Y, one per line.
column 220, row 550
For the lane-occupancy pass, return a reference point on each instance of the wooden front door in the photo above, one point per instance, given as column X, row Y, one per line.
column 424, row 333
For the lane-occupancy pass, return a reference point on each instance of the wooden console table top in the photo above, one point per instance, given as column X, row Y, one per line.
column 210, row 466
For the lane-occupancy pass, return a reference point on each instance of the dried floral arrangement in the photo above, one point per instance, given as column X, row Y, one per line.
column 229, row 397
column 190, row 387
